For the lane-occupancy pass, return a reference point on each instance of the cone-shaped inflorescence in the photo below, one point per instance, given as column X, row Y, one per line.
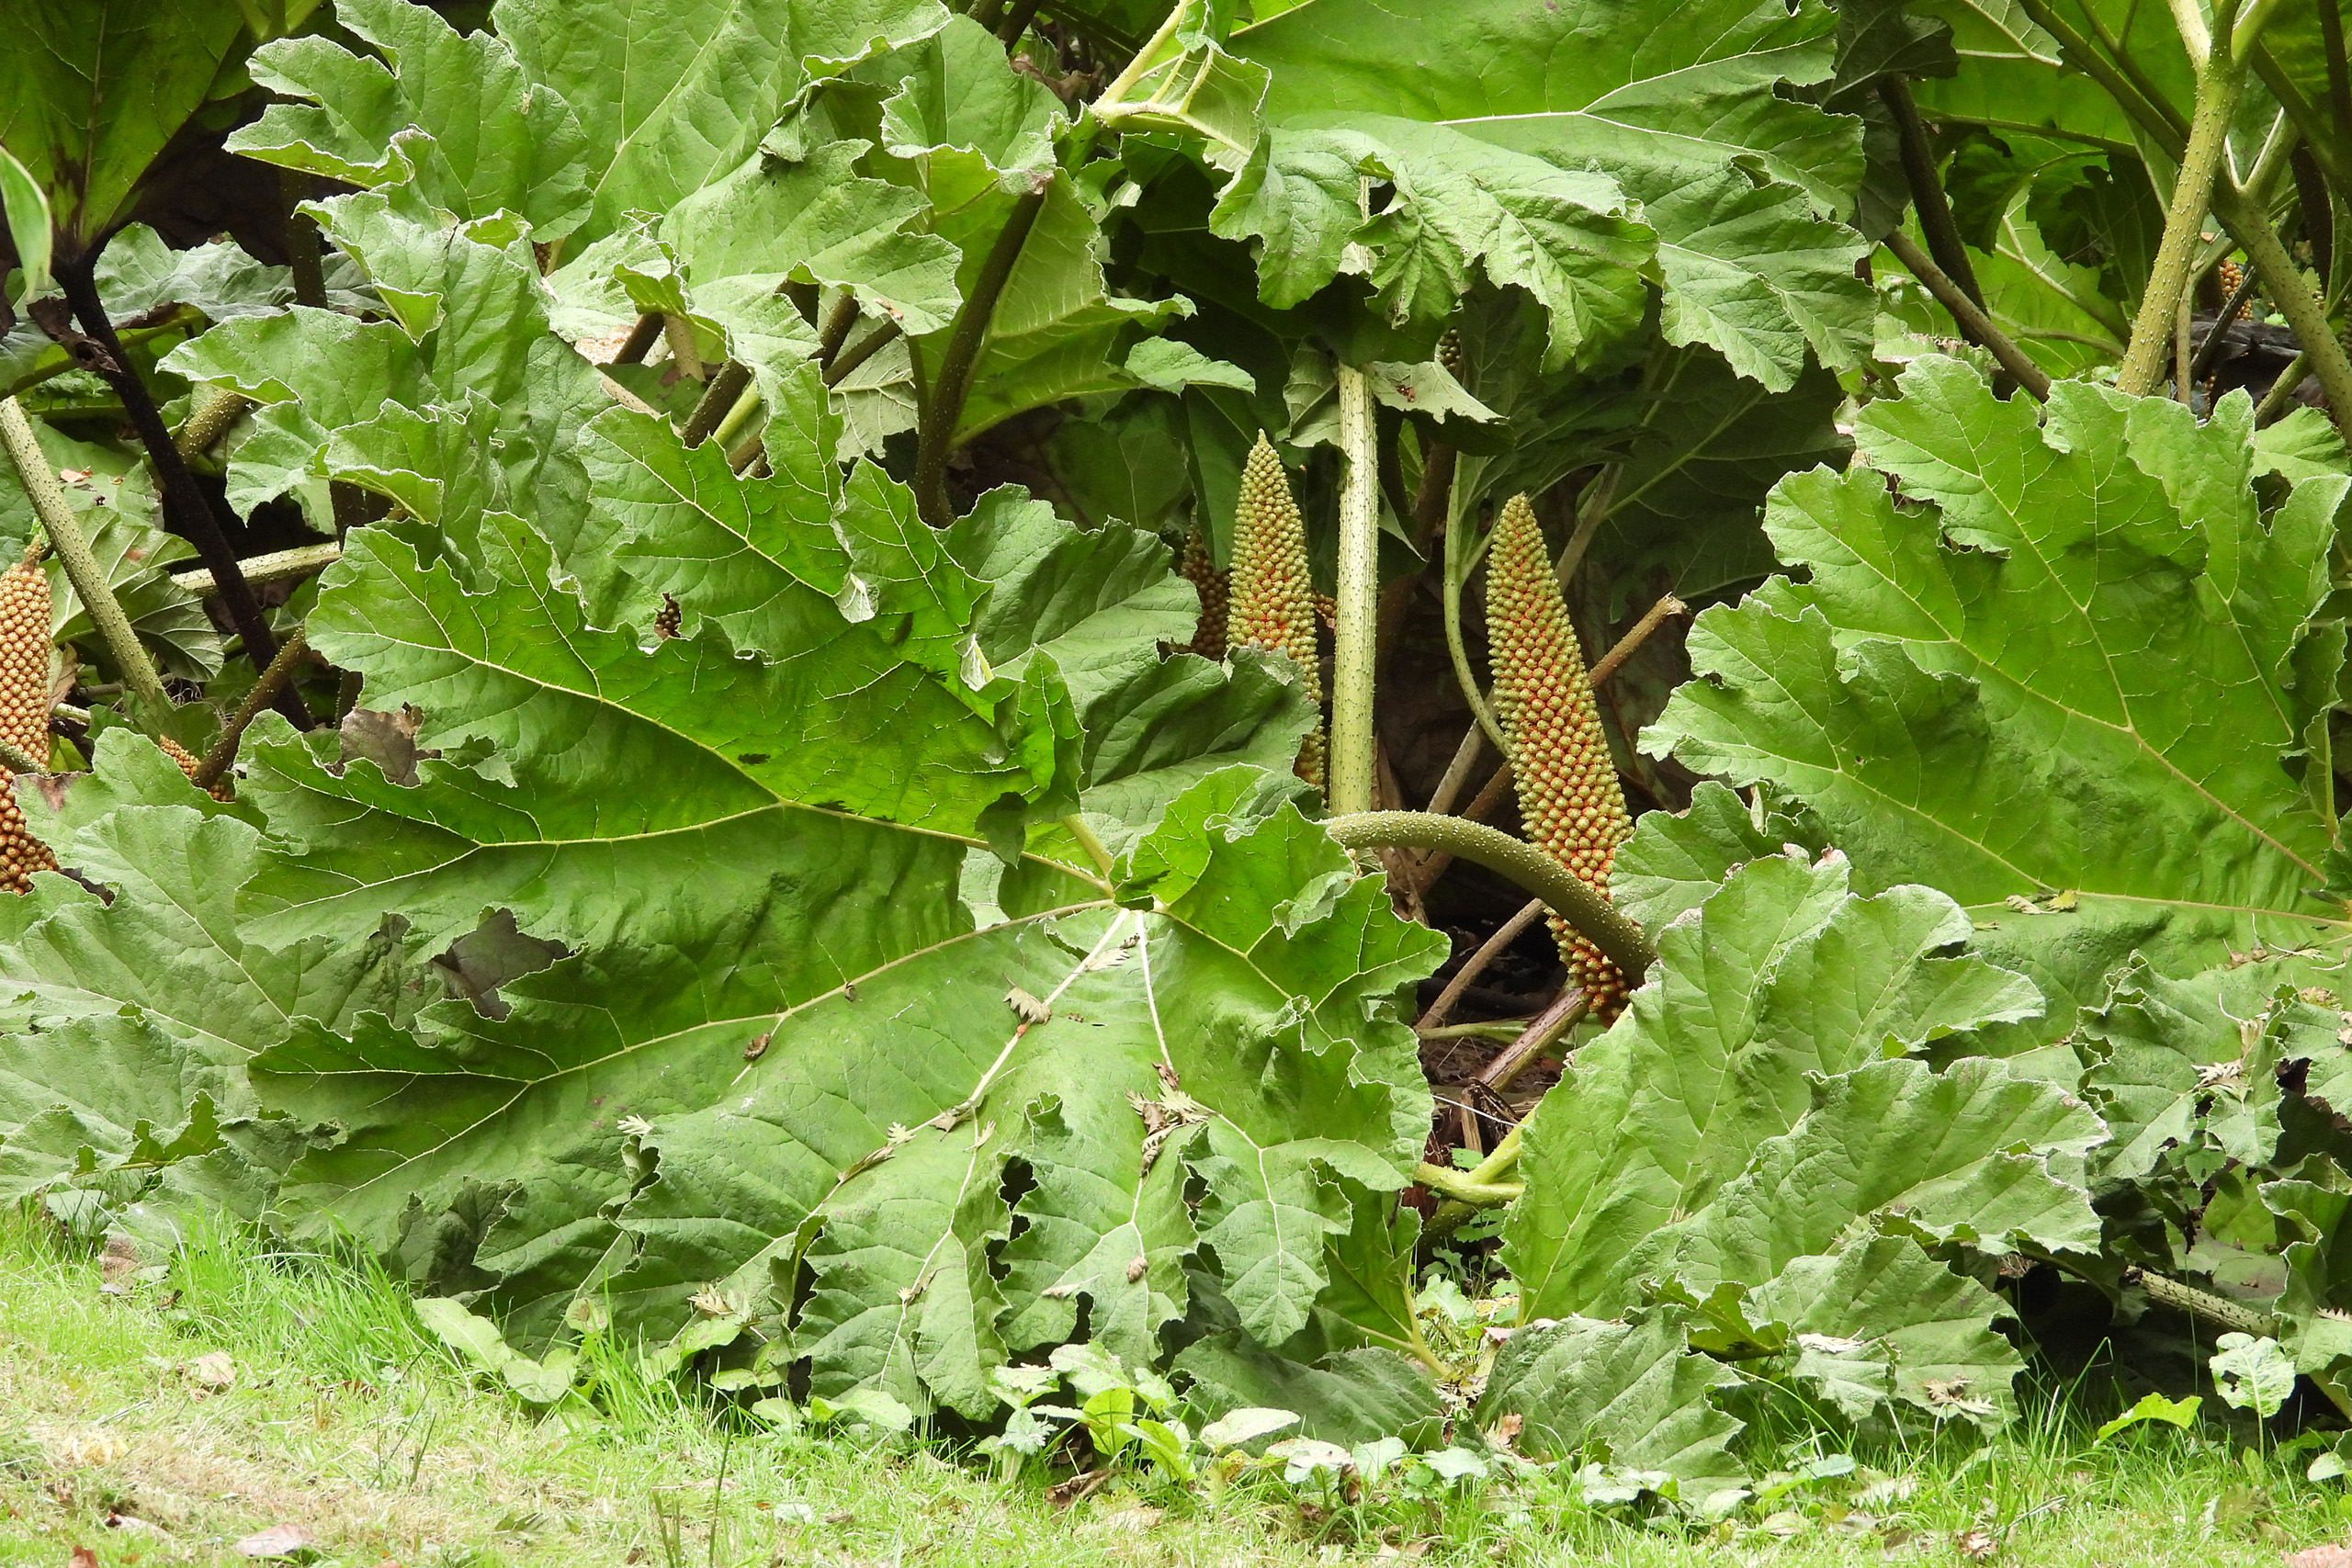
column 1273, row 597
column 1569, row 795
column 24, row 708
column 188, row 765
column 1216, row 596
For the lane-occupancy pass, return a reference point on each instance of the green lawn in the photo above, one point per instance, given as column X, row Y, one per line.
column 225, row 1391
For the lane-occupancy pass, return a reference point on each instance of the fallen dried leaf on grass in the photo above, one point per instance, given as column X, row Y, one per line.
column 2321, row 1557
column 277, row 1540
column 1977, row 1545
column 75, row 1449
column 84, row 1558
column 118, row 1264
column 213, row 1369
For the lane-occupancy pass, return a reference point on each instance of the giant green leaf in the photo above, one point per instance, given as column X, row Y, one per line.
column 1676, row 105
column 464, row 401
column 2033, row 657
column 1782, row 977
column 130, row 1017
column 672, row 95
column 452, row 115
column 92, row 90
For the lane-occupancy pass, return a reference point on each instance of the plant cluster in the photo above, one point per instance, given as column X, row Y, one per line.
column 798, row 687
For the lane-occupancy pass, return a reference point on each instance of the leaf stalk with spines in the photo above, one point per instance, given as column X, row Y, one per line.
column 82, row 567
column 2220, row 80
column 1619, row 939
column 1358, row 596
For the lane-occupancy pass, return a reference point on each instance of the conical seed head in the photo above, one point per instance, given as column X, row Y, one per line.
column 1274, row 595
column 1569, row 795
column 24, row 710
column 24, row 658
column 1216, row 588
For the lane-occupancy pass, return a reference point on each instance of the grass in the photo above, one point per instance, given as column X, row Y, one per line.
column 234, row 1388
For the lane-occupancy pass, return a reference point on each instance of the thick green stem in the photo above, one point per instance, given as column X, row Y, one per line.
column 82, row 568
column 215, row 411
column 1358, row 597
column 717, row 398
column 1928, row 202
column 1458, row 1186
column 280, row 566
column 1617, row 938
column 1973, row 321
column 2285, row 285
column 945, row 407
column 2203, row 1304
column 224, row 749
column 2219, row 84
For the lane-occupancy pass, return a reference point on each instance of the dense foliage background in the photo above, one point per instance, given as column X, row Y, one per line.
column 696, row 533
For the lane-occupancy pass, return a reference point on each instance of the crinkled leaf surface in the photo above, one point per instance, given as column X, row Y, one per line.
column 1627, row 1394
column 463, row 401
column 1779, row 975
column 671, row 95
column 2073, row 655
column 777, row 1056
column 450, row 115
column 1671, row 104
column 123, row 1015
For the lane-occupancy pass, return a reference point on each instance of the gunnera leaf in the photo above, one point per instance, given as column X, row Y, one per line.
column 1671, row 105
column 1753, row 1125
column 2066, row 657
column 777, row 1068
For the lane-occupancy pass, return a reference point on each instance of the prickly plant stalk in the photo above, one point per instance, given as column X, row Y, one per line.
column 1273, row 597
column 24, row 708
column 1568, row 795
column 1216, row 588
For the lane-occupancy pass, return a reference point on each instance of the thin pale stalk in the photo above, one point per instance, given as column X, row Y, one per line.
column 2219, row 84
column 82, row 568
column 280, row 566
column 1476, row 965
column 2282, row 391
column 1358, row 598
column 2183, row 381
column 1973, row 321
column 1541, row 1035
column 1458, row 771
